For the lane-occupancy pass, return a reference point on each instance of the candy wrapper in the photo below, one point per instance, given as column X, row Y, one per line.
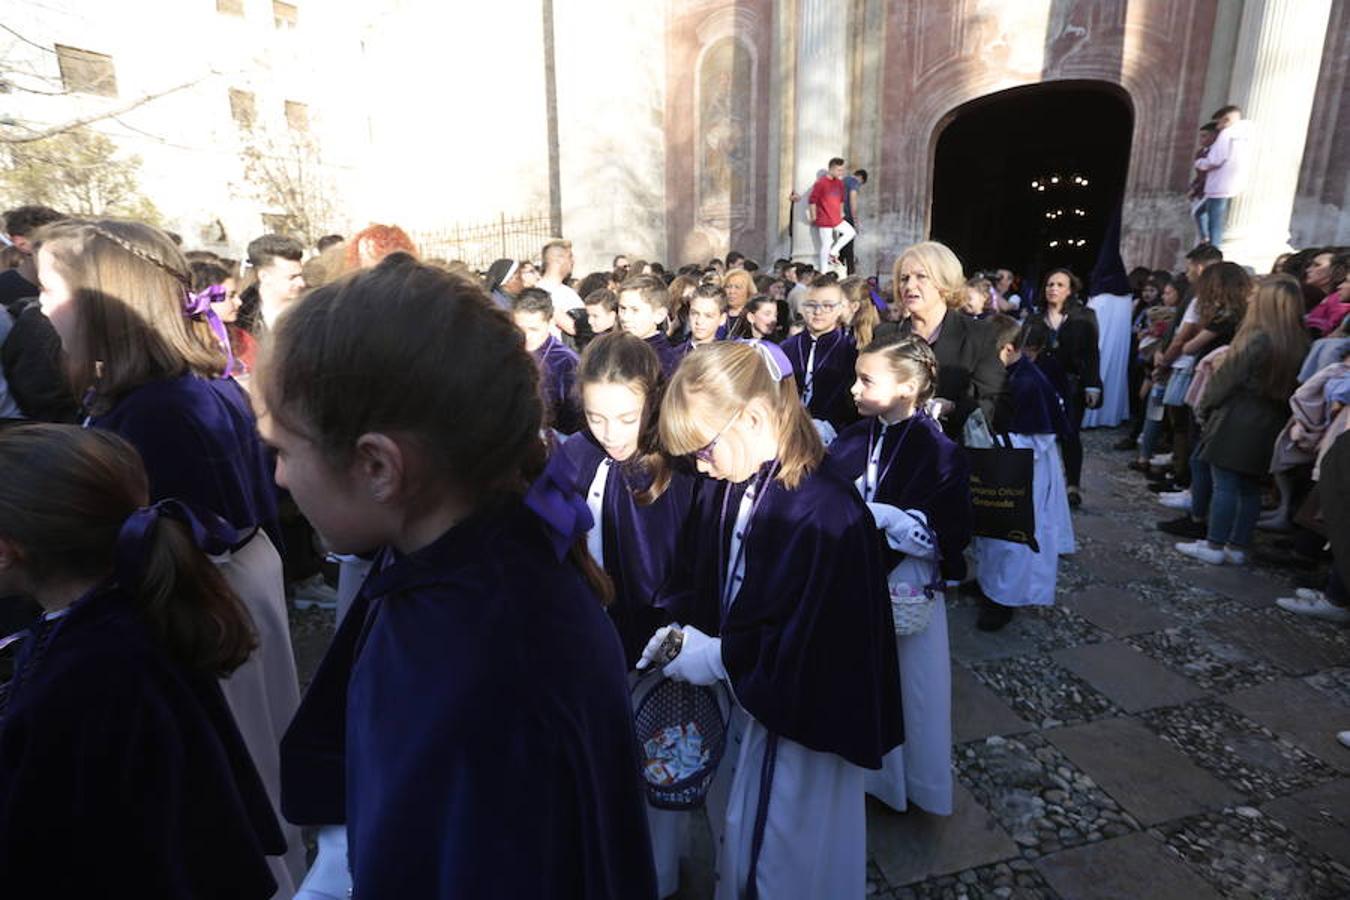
column 674, row 754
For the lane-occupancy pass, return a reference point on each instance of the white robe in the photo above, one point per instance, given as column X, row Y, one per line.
column 1014, row 574
column 1113, row 342
column 815, row 835
column 264, row 692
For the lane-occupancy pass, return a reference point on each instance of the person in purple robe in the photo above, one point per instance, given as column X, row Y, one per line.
column 121, row 767
column 640, row 501
column 532, row 311
column 707, row 318
column 823, row 357
column 469, row 728
column 644, row 304
column 915, row 481
column 783, row 597
column 147, row 360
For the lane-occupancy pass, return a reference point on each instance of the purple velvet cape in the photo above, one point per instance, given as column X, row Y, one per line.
column 668, row 353
column 836, row 356
column 809, row 643
column 199, row 441
column 929, row 473
column 641, row 543
column 122, row 770
column 471, row 725
column 558, row 373
column 1035, row 405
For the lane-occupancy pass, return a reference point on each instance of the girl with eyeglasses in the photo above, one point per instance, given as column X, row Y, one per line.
column 782, row 597
column 823, row 357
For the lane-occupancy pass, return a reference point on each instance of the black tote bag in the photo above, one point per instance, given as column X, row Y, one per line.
column 1001, row 499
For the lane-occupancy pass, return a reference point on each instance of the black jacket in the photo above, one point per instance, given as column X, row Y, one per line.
column 970, row 374
column 32, row 362
column 1076, row 348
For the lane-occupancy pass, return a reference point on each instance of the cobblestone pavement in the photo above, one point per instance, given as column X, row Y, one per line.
column 1164, row 731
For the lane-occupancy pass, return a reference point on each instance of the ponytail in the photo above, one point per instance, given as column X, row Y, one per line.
column 74, row 501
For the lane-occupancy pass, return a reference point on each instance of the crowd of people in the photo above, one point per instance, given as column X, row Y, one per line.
column 611, row 549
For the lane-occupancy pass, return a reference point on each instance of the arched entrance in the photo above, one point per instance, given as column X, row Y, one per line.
column 1028, row 178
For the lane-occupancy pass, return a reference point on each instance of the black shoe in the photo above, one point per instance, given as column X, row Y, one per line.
column 1140, row 465
column 1183, row 527
column 1125, row 443
column 1075, row 498
column 993, row 616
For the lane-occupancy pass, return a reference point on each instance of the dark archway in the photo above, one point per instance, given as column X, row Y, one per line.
column 1027, row 179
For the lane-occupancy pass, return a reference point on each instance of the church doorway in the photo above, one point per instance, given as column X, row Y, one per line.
column 1028, row 178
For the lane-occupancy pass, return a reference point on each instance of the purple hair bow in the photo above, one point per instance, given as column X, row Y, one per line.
column 212, row 534
column 563, row 511
column 198, row 304
column 774, row 357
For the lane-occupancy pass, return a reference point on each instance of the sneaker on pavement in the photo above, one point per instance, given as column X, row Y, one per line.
column 1202, row 551
column 1160, row 459
column 314, row 591
column 1176, row 499
column 1233, row 557
column 1309, row 594
column 1317, row 608
column 1184, row 526
column 1344, row 738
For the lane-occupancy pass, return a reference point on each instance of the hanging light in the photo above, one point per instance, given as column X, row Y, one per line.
column 1054, row 179
column 1054, row 243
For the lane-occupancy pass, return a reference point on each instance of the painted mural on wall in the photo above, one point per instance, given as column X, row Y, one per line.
column 725, row 147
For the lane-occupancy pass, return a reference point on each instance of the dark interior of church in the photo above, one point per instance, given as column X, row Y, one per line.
column 1053, row 154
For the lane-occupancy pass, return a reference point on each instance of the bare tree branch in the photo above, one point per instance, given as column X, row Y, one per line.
column 99, row 116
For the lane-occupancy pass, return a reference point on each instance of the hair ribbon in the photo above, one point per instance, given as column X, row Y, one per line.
column 774, row 358
column 553, row 499
column 212, row 535
column 198, row 304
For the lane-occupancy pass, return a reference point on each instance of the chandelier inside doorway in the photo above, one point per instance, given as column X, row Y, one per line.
column 1062, row 215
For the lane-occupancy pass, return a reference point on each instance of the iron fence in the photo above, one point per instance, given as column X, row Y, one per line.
column 519, row 238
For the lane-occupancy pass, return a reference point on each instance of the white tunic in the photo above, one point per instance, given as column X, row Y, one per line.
column 1113, row 341
column 1013, row 574
column 815, row 836
column 264, row 692
column 920, row 770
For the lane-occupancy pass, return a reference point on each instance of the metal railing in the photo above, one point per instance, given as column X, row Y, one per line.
column 519, row 238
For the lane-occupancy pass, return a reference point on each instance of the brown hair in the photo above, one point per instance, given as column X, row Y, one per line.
column 863, row 322
column 716, row 381
column 368, row 353
column 911, row 359
column 67, row 492
column 1221, row 291
column 650, row 288
column 620, row 358
column 129, row 282
column 1275, row 310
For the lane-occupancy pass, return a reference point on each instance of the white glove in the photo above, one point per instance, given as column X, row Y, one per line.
column 651, row 654
column 906, row 530
column 825, row 430
column 700, row 659
column 329, row 878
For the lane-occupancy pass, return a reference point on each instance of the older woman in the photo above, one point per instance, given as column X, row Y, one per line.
column 929, row 287
column 740, row 287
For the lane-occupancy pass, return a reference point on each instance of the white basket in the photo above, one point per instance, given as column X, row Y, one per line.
column 911, row 608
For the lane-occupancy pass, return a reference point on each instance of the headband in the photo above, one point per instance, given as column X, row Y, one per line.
column 774, row 357
column 212, row 535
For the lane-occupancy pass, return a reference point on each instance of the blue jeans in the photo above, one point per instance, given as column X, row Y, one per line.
column 1202, row 487
column 1215, row 210
column 1234, row 507
column 1201, row 216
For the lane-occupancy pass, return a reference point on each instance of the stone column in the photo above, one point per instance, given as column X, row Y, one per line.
column 821, row 120
column 1279, row 53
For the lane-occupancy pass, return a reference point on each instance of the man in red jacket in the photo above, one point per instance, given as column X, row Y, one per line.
column 825, row 208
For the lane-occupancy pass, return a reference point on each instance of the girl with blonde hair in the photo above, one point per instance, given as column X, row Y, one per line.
column 862, row 317
column 782, row 596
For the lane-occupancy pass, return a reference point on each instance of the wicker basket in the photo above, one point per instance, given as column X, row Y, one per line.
column 912, row 608
column 660, row 703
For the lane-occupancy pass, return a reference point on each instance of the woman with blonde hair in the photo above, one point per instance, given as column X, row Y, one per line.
column 1244, row 407
column 783, row 597
column 861, row 318
column 740, row 287
column 930, row 288
column 149, row 367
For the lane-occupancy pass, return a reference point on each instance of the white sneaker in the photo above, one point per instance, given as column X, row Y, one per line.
column 1317, row 607
column 1309, row 594
column 1176, row 500
column 1202, row 551
column 1160, row 459
column 1344, row 738
column 1234, row 557
column 314, row 591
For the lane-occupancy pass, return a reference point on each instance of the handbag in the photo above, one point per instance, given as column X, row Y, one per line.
column 1001, row 499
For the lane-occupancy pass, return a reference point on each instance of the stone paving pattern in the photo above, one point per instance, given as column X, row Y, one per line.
column 1163, row 731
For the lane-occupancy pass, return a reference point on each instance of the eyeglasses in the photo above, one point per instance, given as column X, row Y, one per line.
column 705, row 453
column 820, row 307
